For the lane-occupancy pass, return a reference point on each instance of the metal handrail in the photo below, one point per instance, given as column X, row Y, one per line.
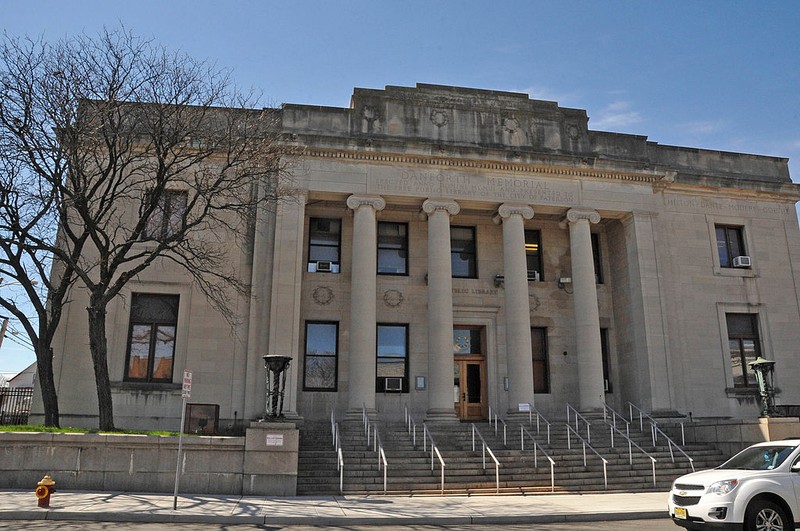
column 411, row 426
column 483, row 452
column 381, row 457
column 631, row 444
column 496, row 420
column 522, row 433
column 614, row 417
column 579, row 416
column 654, row 429
column 585, row 444
column 425, row 436
column 377, row 444
column 531, row 411
column 340, row 466
column 337, row 445
column 643, row 415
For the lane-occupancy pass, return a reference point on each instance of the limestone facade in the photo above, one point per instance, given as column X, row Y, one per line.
column 632, row 300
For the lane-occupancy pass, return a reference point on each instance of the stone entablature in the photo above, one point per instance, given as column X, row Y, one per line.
column 454, row 124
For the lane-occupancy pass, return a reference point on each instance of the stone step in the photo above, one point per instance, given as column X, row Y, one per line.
column 409, row 466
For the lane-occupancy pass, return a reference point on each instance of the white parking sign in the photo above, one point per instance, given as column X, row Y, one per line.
column 187, row 384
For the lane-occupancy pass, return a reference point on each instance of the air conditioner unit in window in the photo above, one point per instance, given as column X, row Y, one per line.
column 533, row 275
column 324, row 266
column 741, row 261
column 393, row 384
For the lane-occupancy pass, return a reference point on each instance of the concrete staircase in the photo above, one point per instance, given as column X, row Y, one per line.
column 409, row 467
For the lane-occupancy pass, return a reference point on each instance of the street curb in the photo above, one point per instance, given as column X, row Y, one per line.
column 327, row 521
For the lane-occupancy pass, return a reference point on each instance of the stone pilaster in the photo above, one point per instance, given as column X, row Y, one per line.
column 587, row 315
column 440, row 310
column 517, row 307
column 287, row 276
column 363, row 290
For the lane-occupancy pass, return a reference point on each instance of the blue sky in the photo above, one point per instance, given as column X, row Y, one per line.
column 719, row 75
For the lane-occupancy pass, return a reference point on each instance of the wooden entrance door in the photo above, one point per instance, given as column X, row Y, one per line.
column 469, row 373
column 469, row 385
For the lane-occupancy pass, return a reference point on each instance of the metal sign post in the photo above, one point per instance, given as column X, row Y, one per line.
column 186, row 392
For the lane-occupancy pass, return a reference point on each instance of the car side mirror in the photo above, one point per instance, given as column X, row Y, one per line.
column 796, row 467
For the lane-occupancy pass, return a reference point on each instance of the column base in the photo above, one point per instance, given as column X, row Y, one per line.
column 441, row 415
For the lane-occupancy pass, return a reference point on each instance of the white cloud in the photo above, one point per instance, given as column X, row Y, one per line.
column 702, row 128
column 615, row 115
column 548, row 94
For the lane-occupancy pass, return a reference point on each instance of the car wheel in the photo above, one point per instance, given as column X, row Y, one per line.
column 766, row 516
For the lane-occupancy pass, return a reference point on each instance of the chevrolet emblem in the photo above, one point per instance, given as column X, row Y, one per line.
column 682, row 493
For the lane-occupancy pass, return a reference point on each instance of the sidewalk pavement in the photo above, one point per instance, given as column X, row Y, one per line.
column 334, row 510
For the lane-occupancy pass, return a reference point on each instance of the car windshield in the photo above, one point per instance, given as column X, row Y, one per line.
column 758, row 458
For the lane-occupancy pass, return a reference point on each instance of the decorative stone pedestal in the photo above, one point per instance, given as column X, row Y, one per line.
column 270, row 459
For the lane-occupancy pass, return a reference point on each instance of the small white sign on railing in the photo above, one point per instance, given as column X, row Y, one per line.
column 524, row 407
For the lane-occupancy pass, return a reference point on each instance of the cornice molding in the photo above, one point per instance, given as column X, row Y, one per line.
column 514, row 167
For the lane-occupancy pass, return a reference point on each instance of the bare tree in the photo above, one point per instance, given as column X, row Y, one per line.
column 141, row 155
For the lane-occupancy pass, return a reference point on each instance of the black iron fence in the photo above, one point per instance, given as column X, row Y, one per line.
column 15, row 404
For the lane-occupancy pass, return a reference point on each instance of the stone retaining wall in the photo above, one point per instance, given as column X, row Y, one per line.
column 264, row 462
column 733, row 435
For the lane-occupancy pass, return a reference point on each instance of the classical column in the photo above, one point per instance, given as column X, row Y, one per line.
column 362, row 302
column 258, row 324
column 587, row 315
column 517, row 307
column 287, row 276
column 440, row 310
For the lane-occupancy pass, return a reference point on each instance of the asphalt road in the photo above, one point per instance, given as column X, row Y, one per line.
column 625, row 525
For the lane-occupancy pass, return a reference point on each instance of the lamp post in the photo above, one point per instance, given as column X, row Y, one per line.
column 277, row 367
column 763, row 370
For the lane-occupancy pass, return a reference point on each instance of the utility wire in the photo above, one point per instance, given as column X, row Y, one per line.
column 14, row 339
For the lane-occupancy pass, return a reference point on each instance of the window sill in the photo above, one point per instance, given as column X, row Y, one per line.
column 741, row 392
column 738, row 272
column 155, row 387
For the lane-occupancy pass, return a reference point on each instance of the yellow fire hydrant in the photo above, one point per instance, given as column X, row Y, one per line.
column 44, row 489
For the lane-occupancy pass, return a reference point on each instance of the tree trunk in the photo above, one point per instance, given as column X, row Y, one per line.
column 98, row 344
column 47, row 385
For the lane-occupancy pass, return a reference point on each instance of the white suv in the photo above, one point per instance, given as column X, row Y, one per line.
column 757, row 489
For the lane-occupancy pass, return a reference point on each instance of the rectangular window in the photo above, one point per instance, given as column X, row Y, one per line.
column 604, row 354
column 321, row 356
column 463, row 252
column 324, row 245
column 392, row 358
column 167, row 218
column 392, row 248
column 541, row 366
column 730, row 245
column 598, row 269
column 533, row 254
column 151, row 340
column 744, row 346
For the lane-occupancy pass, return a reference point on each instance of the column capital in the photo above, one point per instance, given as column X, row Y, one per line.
column 506, row 210
column 374, row 201
column 577, row 214
column 448, row 205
